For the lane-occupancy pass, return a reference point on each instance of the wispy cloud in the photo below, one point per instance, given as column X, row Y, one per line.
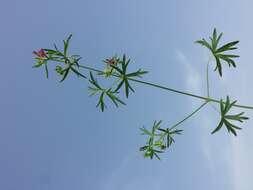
column 193, row 83
column 242, row 152
column 234, row 153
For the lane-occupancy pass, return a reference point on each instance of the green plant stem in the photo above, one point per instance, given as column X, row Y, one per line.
column 207, row 83
column 207, row 78
column 208, row 99
column 188, row 94
column 190, row 115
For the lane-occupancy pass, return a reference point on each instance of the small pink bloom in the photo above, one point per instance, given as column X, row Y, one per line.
column 111, row 61
column 41, row 53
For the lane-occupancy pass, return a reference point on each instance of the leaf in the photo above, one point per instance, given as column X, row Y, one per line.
column 94, row 82
column 65, row 74
column 53, row 52
column 218, row 40
column 145, row 131
column 138, row 73
column 226, row 119
column 77, row 72
column 46, row 69
column 38, row 64
column 101, row 102
column 124, row 76
column 114, row 99
column 203, row 42
column 66, row 44
column 96, row 88
column 159, row 138
column 117, row 69
column 220, row 52
column 119, row 86
column 218, row 66
column 218, row 127
column 227, row 47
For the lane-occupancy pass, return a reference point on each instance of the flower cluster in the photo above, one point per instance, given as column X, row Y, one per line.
column 41, row 54
column 65, row 63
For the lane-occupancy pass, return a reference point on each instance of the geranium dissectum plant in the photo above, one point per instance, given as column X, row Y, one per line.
column 116, row 71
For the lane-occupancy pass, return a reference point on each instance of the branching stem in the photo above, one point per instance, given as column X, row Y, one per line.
column 190, row 115
column 207, row 83
column 207, row 77
column 207, row 99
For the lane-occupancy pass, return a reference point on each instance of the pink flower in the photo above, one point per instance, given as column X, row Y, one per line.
column 111, row 61
column 40, row 54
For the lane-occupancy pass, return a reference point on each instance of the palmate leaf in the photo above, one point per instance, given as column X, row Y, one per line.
column 95, row 88
column 169, row 133
column 226, row 119
column 121, row 71
column 219, row 53
column 114, row 98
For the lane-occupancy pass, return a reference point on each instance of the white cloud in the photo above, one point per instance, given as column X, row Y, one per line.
column 193, row 81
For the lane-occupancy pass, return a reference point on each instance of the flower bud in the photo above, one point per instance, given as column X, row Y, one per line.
column 59, row 69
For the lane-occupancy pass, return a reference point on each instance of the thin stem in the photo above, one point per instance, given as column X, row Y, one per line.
column 91, row 69
column 207, row 78
column 187, row 94
column 207, row 83
column 170, row 89
column 190, row 115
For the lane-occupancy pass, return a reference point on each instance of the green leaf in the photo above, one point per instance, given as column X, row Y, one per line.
column 138, row 73
column 53, row 52
column 145, row 131
column 218, row 127
column 119, row 86
column 203, row 42
column 220, row 52
column 65, row 74
column 101, row 102
column 159, row 138
column 114, row 98
column 117, row 69
column 227, row 47
column 226, row 119
column 46, row 70
column 218, row 66
column 77, row 72
column 66, row 44
column 124, row 76
column 96, row 88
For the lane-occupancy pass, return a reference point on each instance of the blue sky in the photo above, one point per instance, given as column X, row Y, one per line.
column 51, row 135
